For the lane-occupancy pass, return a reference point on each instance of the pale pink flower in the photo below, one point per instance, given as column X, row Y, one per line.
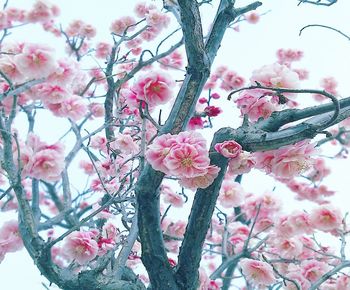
column 36, row 61
column 257, row 104
column 300, row 222
column 319, row 170
column 171, row 197
column 286, row 56
column 123, row 25
column 268, row 203
column 10, row 238
column 229, row 149
column 42, row 11
column 97, row 110
column 176, row 229
column 174, row 60
column 243, row 163
column 103, row 49
column 231, row 80
column 231, row 194
column 81, row 247
column 74, row 107
column 275, row 75
column 192, row 138
column 10, row 69
column 52, row 94
column 257, row 272
column 202, row 181
column 150, row 33
column 287, row 161
column 326, row 218
column 125, row 144
column 110, row 231
column 142, row 8
column 64, row 72
column 47, row 165
column 184, row 160
column 303, row 74
column 298, row 278
column 87, row 166
column 288, row 248
column 154, row 88
column 159, row 150
column 154, row 17
column 15, row 14
column 343, row 282
column 330, row 85
column 313, row 269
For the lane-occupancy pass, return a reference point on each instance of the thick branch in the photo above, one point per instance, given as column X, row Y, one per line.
column 199, row 222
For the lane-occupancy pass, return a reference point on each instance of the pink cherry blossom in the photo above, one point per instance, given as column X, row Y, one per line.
column 287, row 161
column 257, row 104
column 10, row 69
column 81, row 247
column 65, row 72
column 142, row 8
column 184, row 160
column 35, row 61
column 300, row 222
column 97, row 110
column 343, row 282
column 298, row 278
column 125, row 144
column 174, row 60
column 47, row 165
column 159, row 150
column 326, row 218
column 275, row 75
column 231, row 80
column 171, row 197
column 154, row 17
column 257, row 272
column 243, row 163
column 231, row 194
column 313, row 269
column 103, row 49
column 202, row 181
column 42, row 11
column 10, row 238
column 229, row 149
column 123, row 25
column 288, row 248
column 286, row 56
column 154, row 88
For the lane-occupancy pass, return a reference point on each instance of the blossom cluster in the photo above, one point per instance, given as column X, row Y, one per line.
column 184, row 156
column 40, row 160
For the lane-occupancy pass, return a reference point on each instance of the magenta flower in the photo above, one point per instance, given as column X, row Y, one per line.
column 154, row 88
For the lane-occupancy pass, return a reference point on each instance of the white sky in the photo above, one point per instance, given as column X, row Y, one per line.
column 326, row 54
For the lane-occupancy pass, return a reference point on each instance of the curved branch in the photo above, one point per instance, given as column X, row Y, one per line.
column 280, row 91
column 199, row 221
column 327, row 27
column 329, row 274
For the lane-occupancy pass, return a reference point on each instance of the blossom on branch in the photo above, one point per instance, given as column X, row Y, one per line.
column 81, row 247
column 257, row 272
